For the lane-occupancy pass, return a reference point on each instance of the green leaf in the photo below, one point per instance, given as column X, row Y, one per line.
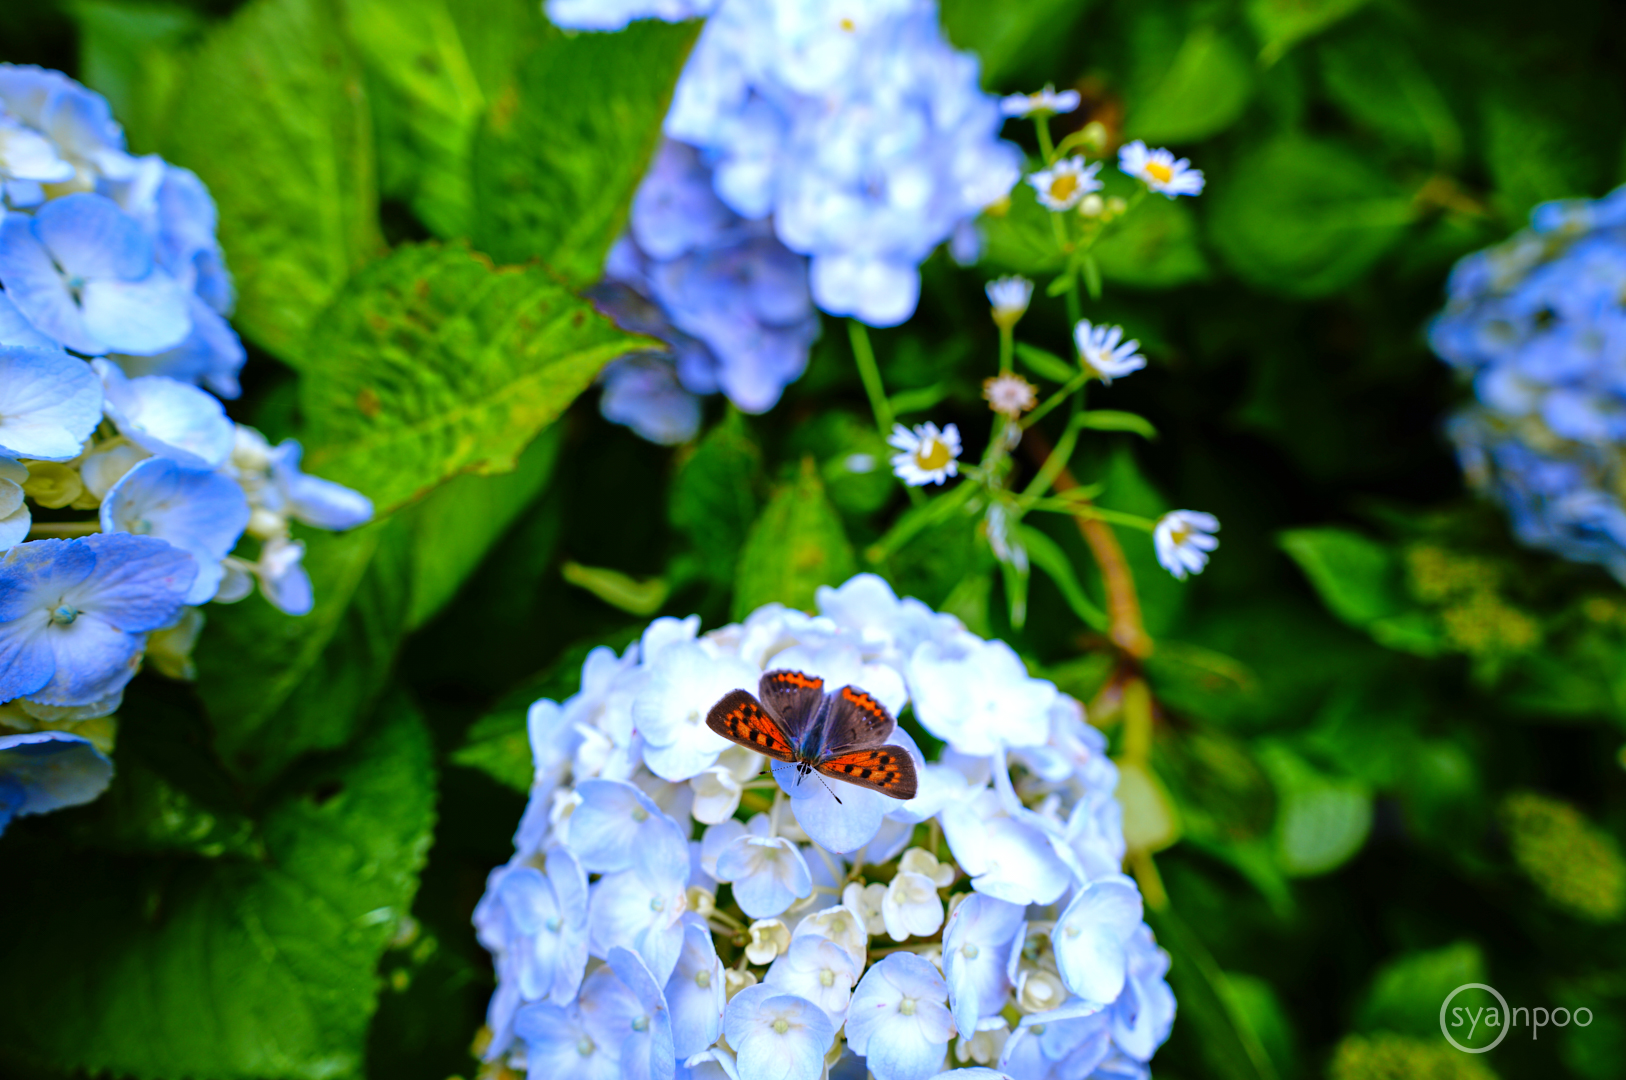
column 1229, row 1043
column 1046, row 364
column 793, row 548
column 1535, row 155
column 560, row 154
column 617, row 589
column 1305, row 217
column 272, row 115
column 1020, row 236
column 435, row 363
column 438, row 66
column 277, row 686
column 1113, row 420
column 1321, row 821
column 131, row 55
column 1005, row 34
column 1203, row 92
column 1154, row 247
column 1378, row 81
column 1280, row 24
column 1048, row 556
column 454, row 528
column 1358, row 578
column 1407, row 991
column 225, row 968
column 714, row 496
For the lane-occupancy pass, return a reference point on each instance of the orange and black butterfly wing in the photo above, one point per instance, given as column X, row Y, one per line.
column 740, row 718
column 856, row 721
column 887, row 769
column 794, row 698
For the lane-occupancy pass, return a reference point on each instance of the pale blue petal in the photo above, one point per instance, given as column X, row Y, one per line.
column 844, row 826
column 52, row 769
column 15, row 329
column 168, row 418
column 49, row 403
column 88, row 236
column 93, row 660
column 32, row 579
column 764, row 1054
column 36, row 288
column 14, row 527
column 976, row 947
column 137, row 317
column 138, row 583
column 319, row 503
column 200, row 512
column 557, row 1044
column 647, row 1053
column 1091, row 938
column 569, row 882
column 605, row 828
column 695, row 994
column 211, row 355
column 289, row 589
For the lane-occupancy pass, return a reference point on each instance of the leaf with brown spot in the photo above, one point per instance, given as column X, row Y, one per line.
column 435, row 363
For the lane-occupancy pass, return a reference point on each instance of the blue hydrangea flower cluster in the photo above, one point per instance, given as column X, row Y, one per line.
column 1538, row 323
column 984, row 923
column 842, row 143
column 114, row 354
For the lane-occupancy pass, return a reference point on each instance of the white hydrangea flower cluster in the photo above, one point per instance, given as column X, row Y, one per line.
column 671, row 912
column 852, row 124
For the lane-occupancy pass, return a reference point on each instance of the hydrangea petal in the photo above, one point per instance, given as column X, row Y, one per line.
column 200, row 512
column 49, row 403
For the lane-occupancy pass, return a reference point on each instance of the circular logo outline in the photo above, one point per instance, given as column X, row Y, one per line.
column 1507, row 1017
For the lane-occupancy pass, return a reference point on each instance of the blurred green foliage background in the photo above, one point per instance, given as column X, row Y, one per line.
column 1388, row 743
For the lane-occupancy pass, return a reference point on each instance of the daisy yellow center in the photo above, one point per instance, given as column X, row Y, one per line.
column 1179, row 536
column 848, row 25
column 933, row 454
column 1063, row 186
column 1159, row 172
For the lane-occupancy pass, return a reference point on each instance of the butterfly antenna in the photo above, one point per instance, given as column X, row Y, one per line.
column 830, row 789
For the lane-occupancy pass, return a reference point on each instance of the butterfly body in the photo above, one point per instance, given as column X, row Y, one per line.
column 841, row 734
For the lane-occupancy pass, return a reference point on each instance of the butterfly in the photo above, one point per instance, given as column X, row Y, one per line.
column 841, row 734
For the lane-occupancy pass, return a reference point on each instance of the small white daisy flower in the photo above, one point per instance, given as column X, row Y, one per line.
column 1046, row 101
column 1061, row 186
column 1009, row 296
column 1160, row 171
column 1183, row 539
column 1009, row 395
column 1104, row 350
column 928, row 455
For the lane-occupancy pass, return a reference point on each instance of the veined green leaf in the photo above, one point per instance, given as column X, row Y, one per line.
column 272, row 114
column 226, row 967
column 562, row 151
column 436, row 362
column 795, row 546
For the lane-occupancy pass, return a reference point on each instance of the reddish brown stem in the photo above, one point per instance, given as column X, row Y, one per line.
column 1123, row 605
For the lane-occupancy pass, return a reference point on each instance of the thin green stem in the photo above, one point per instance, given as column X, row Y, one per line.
column 910, row 525
column 1007, row 349
column 1076, row 384
column 1057, row 461
column 1041, row 124
column 870, row 373
column 1074, row 508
